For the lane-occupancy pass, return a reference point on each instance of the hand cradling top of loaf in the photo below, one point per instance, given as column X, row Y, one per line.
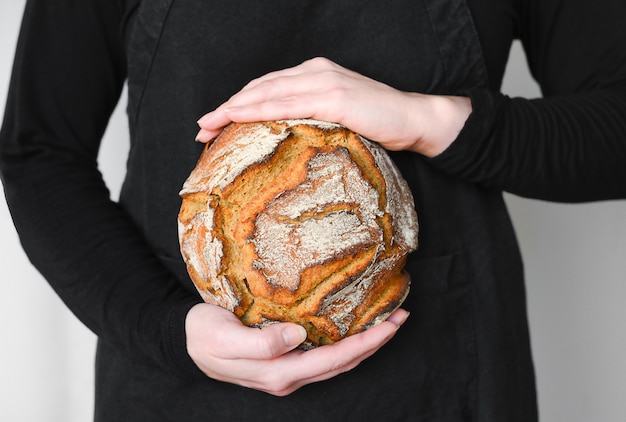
column 301, row 221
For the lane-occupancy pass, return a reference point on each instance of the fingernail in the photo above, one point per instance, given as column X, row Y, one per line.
column 203, row 136
column 204, row 119
column 293, row 335
column 403, row 320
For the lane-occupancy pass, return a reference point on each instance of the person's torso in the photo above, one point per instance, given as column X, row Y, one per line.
column 187, row 57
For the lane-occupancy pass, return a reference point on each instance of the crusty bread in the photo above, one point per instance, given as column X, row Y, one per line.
column 301, row 221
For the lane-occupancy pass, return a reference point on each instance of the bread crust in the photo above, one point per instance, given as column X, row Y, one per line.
column 300, row 221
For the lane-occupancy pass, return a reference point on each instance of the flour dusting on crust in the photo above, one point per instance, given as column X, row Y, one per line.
column 208, row 265
column 232, row 159
column 399, row 198
column 287, row 243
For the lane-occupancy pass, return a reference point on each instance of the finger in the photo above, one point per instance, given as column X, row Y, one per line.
column 315, row 105
column 314, row 75
column 237, row 341
column 329, row 361
column 215, row 332
column 206, row 136
column 250, row 106
column 349, row 352
column 287, row 83
column 287, row 373
column 293, row 71
column 312, row 105
column 284, row 88
column 211, row 124
column 398, row 317
column 355, row 348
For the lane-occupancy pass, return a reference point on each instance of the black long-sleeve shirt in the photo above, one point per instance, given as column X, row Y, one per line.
column 70, row 67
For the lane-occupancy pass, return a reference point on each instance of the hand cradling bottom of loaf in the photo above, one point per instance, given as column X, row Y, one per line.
column 301, row 221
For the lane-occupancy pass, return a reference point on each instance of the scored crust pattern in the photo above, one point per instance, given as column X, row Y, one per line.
column 300, row 221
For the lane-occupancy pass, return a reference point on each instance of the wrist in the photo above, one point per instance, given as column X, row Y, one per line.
column 439, row 122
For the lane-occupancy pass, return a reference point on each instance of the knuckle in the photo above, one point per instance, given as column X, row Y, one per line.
column 321, row 63
column 275, row 383
column 340, row 365
column 339, row 92
column 268, row 86
column 282, row 393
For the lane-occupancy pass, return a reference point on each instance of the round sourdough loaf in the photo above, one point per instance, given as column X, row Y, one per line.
column 301, row 221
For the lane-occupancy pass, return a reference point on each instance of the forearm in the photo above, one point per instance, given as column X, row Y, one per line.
column 68, row 74
column 570, row 148
column 94, row 258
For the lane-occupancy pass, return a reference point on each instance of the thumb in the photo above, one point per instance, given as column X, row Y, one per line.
column 217, row 331
column 266, row 343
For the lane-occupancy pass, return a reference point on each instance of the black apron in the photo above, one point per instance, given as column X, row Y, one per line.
column 464, row 353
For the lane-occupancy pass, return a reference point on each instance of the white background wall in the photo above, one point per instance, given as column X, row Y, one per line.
column 575, row 265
